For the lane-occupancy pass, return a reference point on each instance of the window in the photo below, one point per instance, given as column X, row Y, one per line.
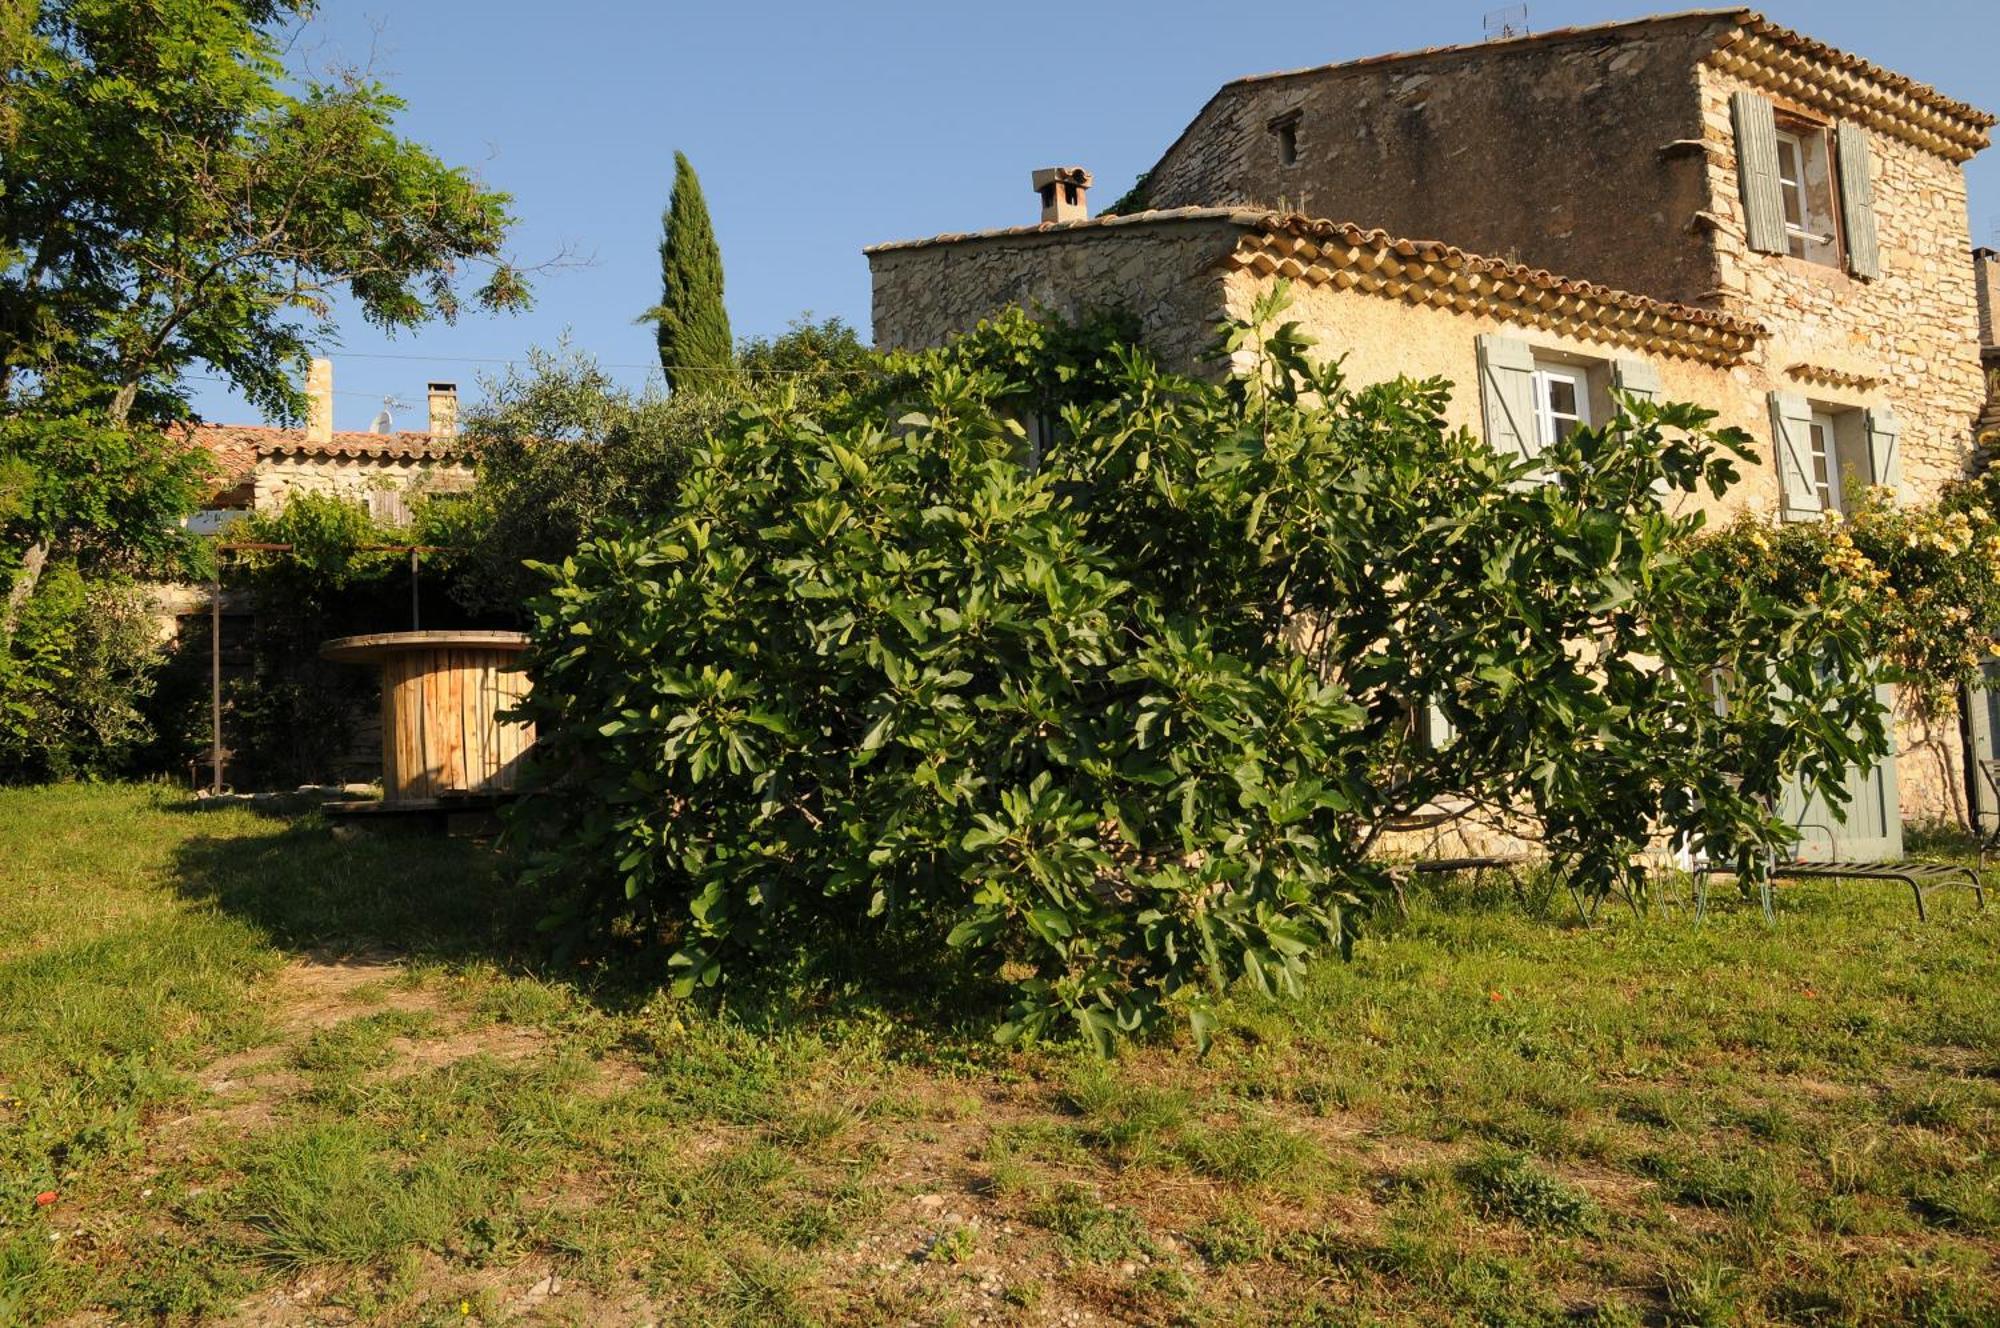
column 1562, row 401
column 389, row 506
column 1825, row 462
column 1808, row 186
column 1286, row 130
column 1805, row 192
column 1827, row 453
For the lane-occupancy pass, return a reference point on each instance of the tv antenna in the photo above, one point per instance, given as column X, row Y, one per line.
column 1508, row 23
column 385, row 420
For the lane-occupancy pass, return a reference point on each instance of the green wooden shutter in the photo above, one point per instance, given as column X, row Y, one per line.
column 1982, row 723
column 1857, row 202
column 1869, row 828
column 1640, row 379
column 1438, row 728
column 1635, row 376
column 1507, row 396
column 1885, row 458
column 1757, row 171
column 1791, row 446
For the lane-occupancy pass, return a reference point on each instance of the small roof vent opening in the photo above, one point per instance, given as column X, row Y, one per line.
column 1063, row 191
column 1285, row 128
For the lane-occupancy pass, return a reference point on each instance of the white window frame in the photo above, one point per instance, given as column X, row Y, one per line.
column 1811, row 231
column 1552, row 425
column 1825, row 446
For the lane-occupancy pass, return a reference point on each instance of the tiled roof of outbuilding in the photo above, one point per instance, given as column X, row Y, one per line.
column 1315, row 251
column 1320, row 252
column 238, row 448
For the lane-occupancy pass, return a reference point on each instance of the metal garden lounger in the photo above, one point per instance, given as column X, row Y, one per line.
column 1921, row 877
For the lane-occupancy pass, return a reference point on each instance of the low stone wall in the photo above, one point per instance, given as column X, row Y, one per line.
column 1163, row 272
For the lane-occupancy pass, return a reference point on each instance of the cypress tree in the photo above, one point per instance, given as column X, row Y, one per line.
column 692, row 324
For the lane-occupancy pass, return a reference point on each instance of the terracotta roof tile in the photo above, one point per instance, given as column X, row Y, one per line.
column 238, row 448
column 1815, row 49
column 1317, row 251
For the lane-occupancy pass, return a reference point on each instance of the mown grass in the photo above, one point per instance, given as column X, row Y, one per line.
column 1492, row 1116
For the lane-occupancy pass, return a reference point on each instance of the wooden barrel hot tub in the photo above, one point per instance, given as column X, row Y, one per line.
column 443, row 742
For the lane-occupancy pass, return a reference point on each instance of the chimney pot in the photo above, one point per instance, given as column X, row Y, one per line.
column 444, row 410
column 1986, row 286
column 319, row 401
column 1062, row 189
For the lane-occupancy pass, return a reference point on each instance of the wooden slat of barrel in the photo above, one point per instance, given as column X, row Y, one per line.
column 411, row 729
column 448, row 748
column 490, row 702
column 517, row 737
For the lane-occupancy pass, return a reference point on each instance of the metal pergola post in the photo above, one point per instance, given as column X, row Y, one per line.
column 215, row 631
column 215, row 677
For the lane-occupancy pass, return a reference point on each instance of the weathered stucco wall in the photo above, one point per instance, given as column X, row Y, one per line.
column 1164, row 273
column 1549, row 151
column 1381, row 338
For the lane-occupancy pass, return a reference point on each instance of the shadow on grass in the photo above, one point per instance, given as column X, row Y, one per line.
column 428, row 898
column 421, row 895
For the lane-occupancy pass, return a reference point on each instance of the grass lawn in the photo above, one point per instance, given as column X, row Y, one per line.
column 272, row 1077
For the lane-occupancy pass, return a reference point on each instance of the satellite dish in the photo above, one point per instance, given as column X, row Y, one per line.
column 386, row 422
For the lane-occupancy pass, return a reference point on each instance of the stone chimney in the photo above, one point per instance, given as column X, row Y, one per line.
column 319, row 402
column 1986, row 278
column 1062, row 190
column 444, row 410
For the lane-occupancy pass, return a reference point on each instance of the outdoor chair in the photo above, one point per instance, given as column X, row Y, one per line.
column 1921, row 877
column 1433, row 818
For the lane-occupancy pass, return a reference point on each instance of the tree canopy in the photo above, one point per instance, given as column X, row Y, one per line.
column 1119, row 712
column 173, row 195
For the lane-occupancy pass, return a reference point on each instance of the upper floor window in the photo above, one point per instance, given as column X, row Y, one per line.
column 1805, row 188
column 1808, row 187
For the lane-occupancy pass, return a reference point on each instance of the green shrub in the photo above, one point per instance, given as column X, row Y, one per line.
column 82, row 661
column 1508, row 1185
column 1115, row 704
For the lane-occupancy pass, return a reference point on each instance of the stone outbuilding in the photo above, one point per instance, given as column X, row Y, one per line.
column 1704, row 206
column 260, row 465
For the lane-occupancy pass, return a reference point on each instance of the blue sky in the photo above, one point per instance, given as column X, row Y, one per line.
column 818, row 128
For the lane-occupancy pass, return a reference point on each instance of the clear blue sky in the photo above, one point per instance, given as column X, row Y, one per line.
column 818, row 128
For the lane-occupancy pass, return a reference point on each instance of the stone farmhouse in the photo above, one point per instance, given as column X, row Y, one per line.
column 1704, row 206
column 259, row 466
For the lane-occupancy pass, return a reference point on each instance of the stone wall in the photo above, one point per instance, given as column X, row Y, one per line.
column 1909, row 338
column 278, row 477
column 1986, row 284
column 1557, row 151
column 1164, row 272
